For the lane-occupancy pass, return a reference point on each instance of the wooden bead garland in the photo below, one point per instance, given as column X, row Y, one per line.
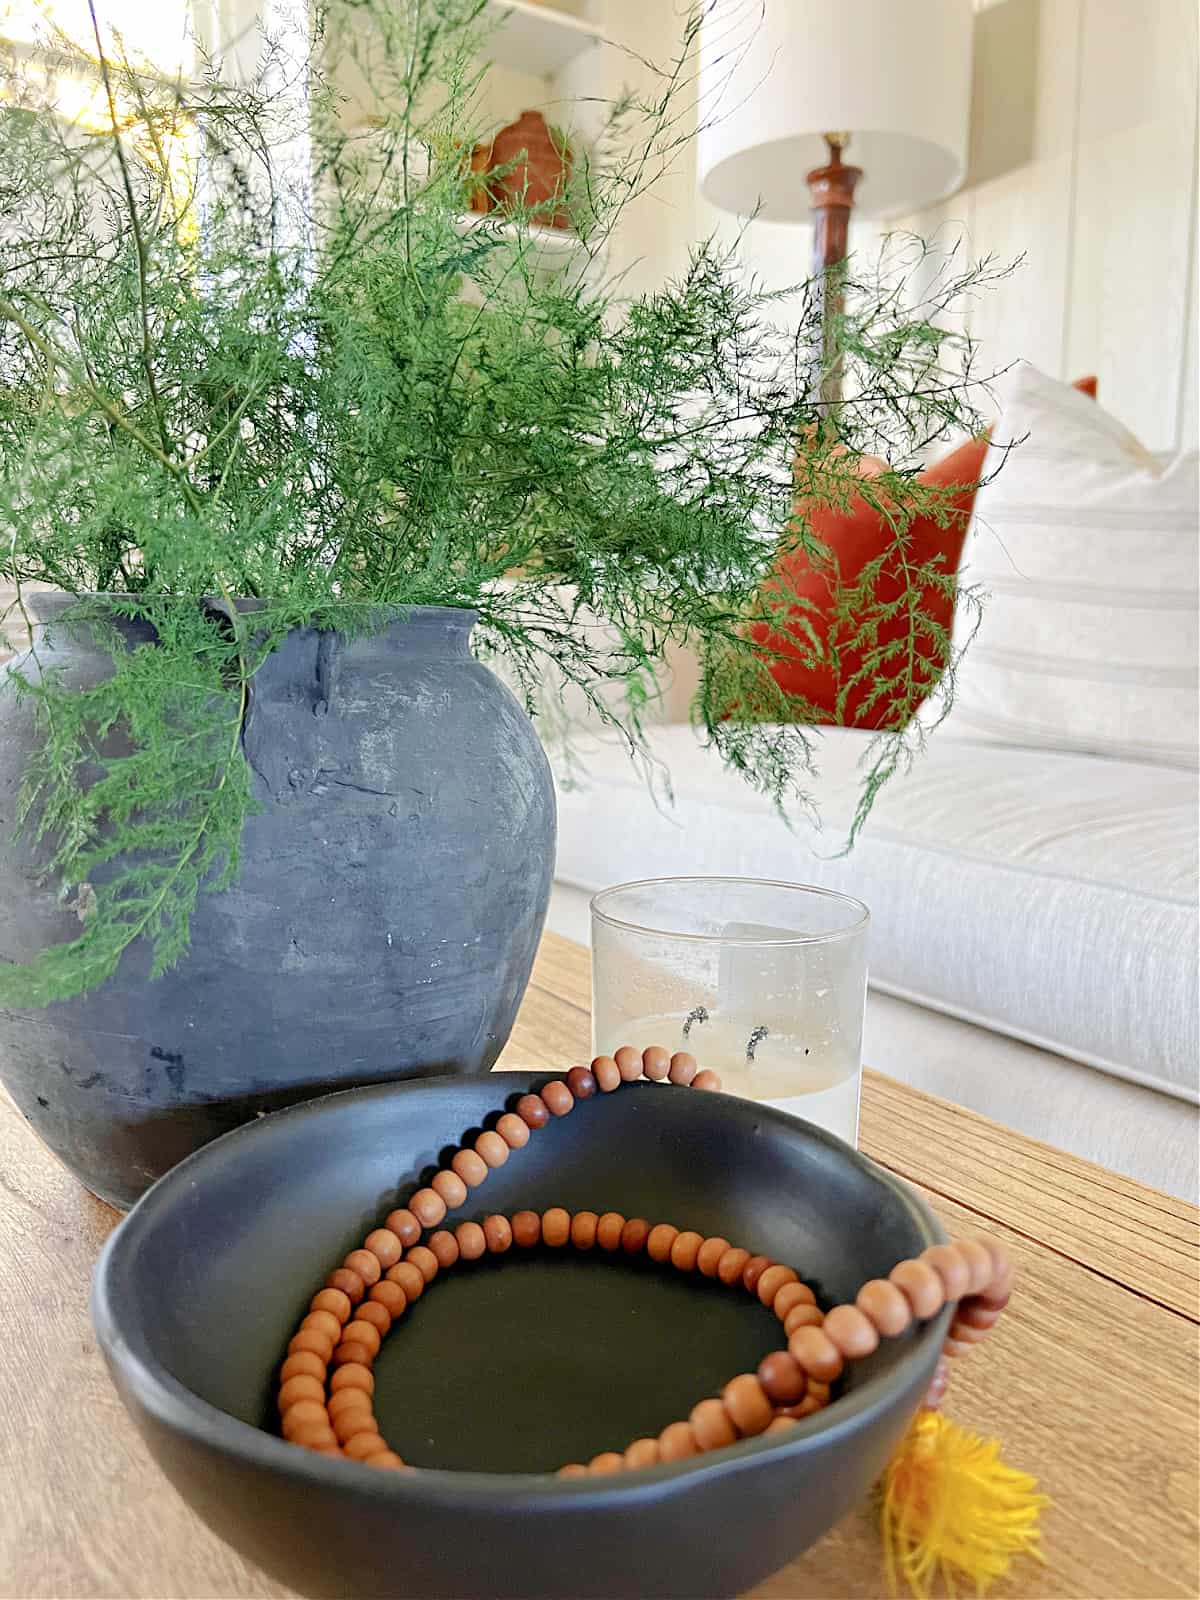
column 326, row 1382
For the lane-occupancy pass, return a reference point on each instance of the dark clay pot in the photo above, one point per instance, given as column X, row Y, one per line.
column 391, row 895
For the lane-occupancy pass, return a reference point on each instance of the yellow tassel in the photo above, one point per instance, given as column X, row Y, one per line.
column 950, row 1506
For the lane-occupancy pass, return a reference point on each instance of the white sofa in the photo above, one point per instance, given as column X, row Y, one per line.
column 1034, row 920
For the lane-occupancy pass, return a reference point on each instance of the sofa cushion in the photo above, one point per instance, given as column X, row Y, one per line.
column 1087, row 545
column 855, row 536
column 1049, row 896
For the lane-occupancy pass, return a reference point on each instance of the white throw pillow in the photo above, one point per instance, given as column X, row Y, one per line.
column 1087, row 547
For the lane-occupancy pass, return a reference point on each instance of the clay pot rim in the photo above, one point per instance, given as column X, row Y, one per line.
column 47, row 604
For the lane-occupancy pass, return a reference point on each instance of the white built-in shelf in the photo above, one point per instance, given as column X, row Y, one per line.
column 538, row 39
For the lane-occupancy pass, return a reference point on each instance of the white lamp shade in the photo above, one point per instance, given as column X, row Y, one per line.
column 894, row 74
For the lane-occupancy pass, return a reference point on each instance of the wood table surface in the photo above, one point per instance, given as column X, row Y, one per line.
column 1090, row 1379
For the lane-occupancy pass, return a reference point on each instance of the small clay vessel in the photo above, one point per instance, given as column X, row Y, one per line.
column 535, row 171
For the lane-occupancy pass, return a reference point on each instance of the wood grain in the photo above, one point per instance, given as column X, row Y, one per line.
column 1091, row 1379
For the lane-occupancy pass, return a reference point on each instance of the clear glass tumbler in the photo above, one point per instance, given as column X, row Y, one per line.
column 763, row 982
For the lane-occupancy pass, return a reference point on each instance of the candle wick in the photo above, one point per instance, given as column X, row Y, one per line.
column 756, row 1038
column 696, row 1014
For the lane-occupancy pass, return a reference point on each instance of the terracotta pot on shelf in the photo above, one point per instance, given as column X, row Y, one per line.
column 536, row 170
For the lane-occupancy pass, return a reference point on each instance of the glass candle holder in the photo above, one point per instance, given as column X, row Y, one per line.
column 763, row 982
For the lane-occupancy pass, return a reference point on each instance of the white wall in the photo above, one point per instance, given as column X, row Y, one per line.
column 1083, row 159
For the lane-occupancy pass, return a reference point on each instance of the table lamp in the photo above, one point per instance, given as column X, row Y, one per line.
column 787, row 85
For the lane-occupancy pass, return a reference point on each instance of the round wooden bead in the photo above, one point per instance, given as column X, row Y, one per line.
column 428, row 1207
column 792, row 1294
column 677, row 1441
column 497, row 1230
column 972, row 1313
column 771, row 1281
column 390, row 1296
column 606, row 1073
column 349, row 1423
column 782, row 1377
column 299, row 1413
column 581, row 1082
column 634, row 1235
column 472, row 1169
column 711, row 1425
column 803, row 1316
column 853, row 1332
column 527, row 1229
column 351, row 1285
column 513, row 1131
column 332, row 1300
column 818, row 1391
column 816, row 1353
column 950, row 1268
column 304, row 1364
column 318, row 1344
column 404, row 1225
column 955, row 1347
column 471, row 1241
column 556, row 1227
column 921, row 1287
column 583, row 1229
column 780, row 1424
column 450, row 1187
column 608, row 1461
column 656, row 1062
column 745, row 1400
column 354, row 1352
column 683, row 1068
column 492, row 1148
column 425, row 1262
column 445, row 1247
column 354, row 1376
column 1002, row 1267
column 753, row 1271
column 884, row 1306
column 808, row 1407
column 686, row 1250
column 348, row 1400
column 642, row 1453
column 609, row 1230
column 366, row 1265
column 573, row 1469
column 966, row 1332
column 384, row 1246
column 406, row 1277
column 709, row 1255
column 629, row 1063
column 706, row 1080
column 732, row 1264
column 559, row 1099
column 936, row 1392
column 385, row 1461
column 361, row 1445
column 315, row 1436
column 979, row 1264
column 378, row 1316
column 323, row 1322
column 533, row 1111
column 660, row 1240
column 305, row 1388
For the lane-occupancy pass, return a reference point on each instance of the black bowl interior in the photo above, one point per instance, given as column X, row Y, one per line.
column 515, row 1364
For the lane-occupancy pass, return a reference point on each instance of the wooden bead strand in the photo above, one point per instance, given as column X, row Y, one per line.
column 327, row 1383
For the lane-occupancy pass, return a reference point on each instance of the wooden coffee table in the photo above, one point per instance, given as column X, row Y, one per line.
column 1090, row 1379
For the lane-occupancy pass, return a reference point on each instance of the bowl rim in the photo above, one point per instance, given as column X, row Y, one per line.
column 176, row 1407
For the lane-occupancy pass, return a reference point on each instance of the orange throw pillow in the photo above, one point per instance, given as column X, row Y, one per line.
column 856, row 536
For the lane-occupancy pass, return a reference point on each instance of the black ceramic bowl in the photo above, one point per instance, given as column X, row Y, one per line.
column 509, row 1368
